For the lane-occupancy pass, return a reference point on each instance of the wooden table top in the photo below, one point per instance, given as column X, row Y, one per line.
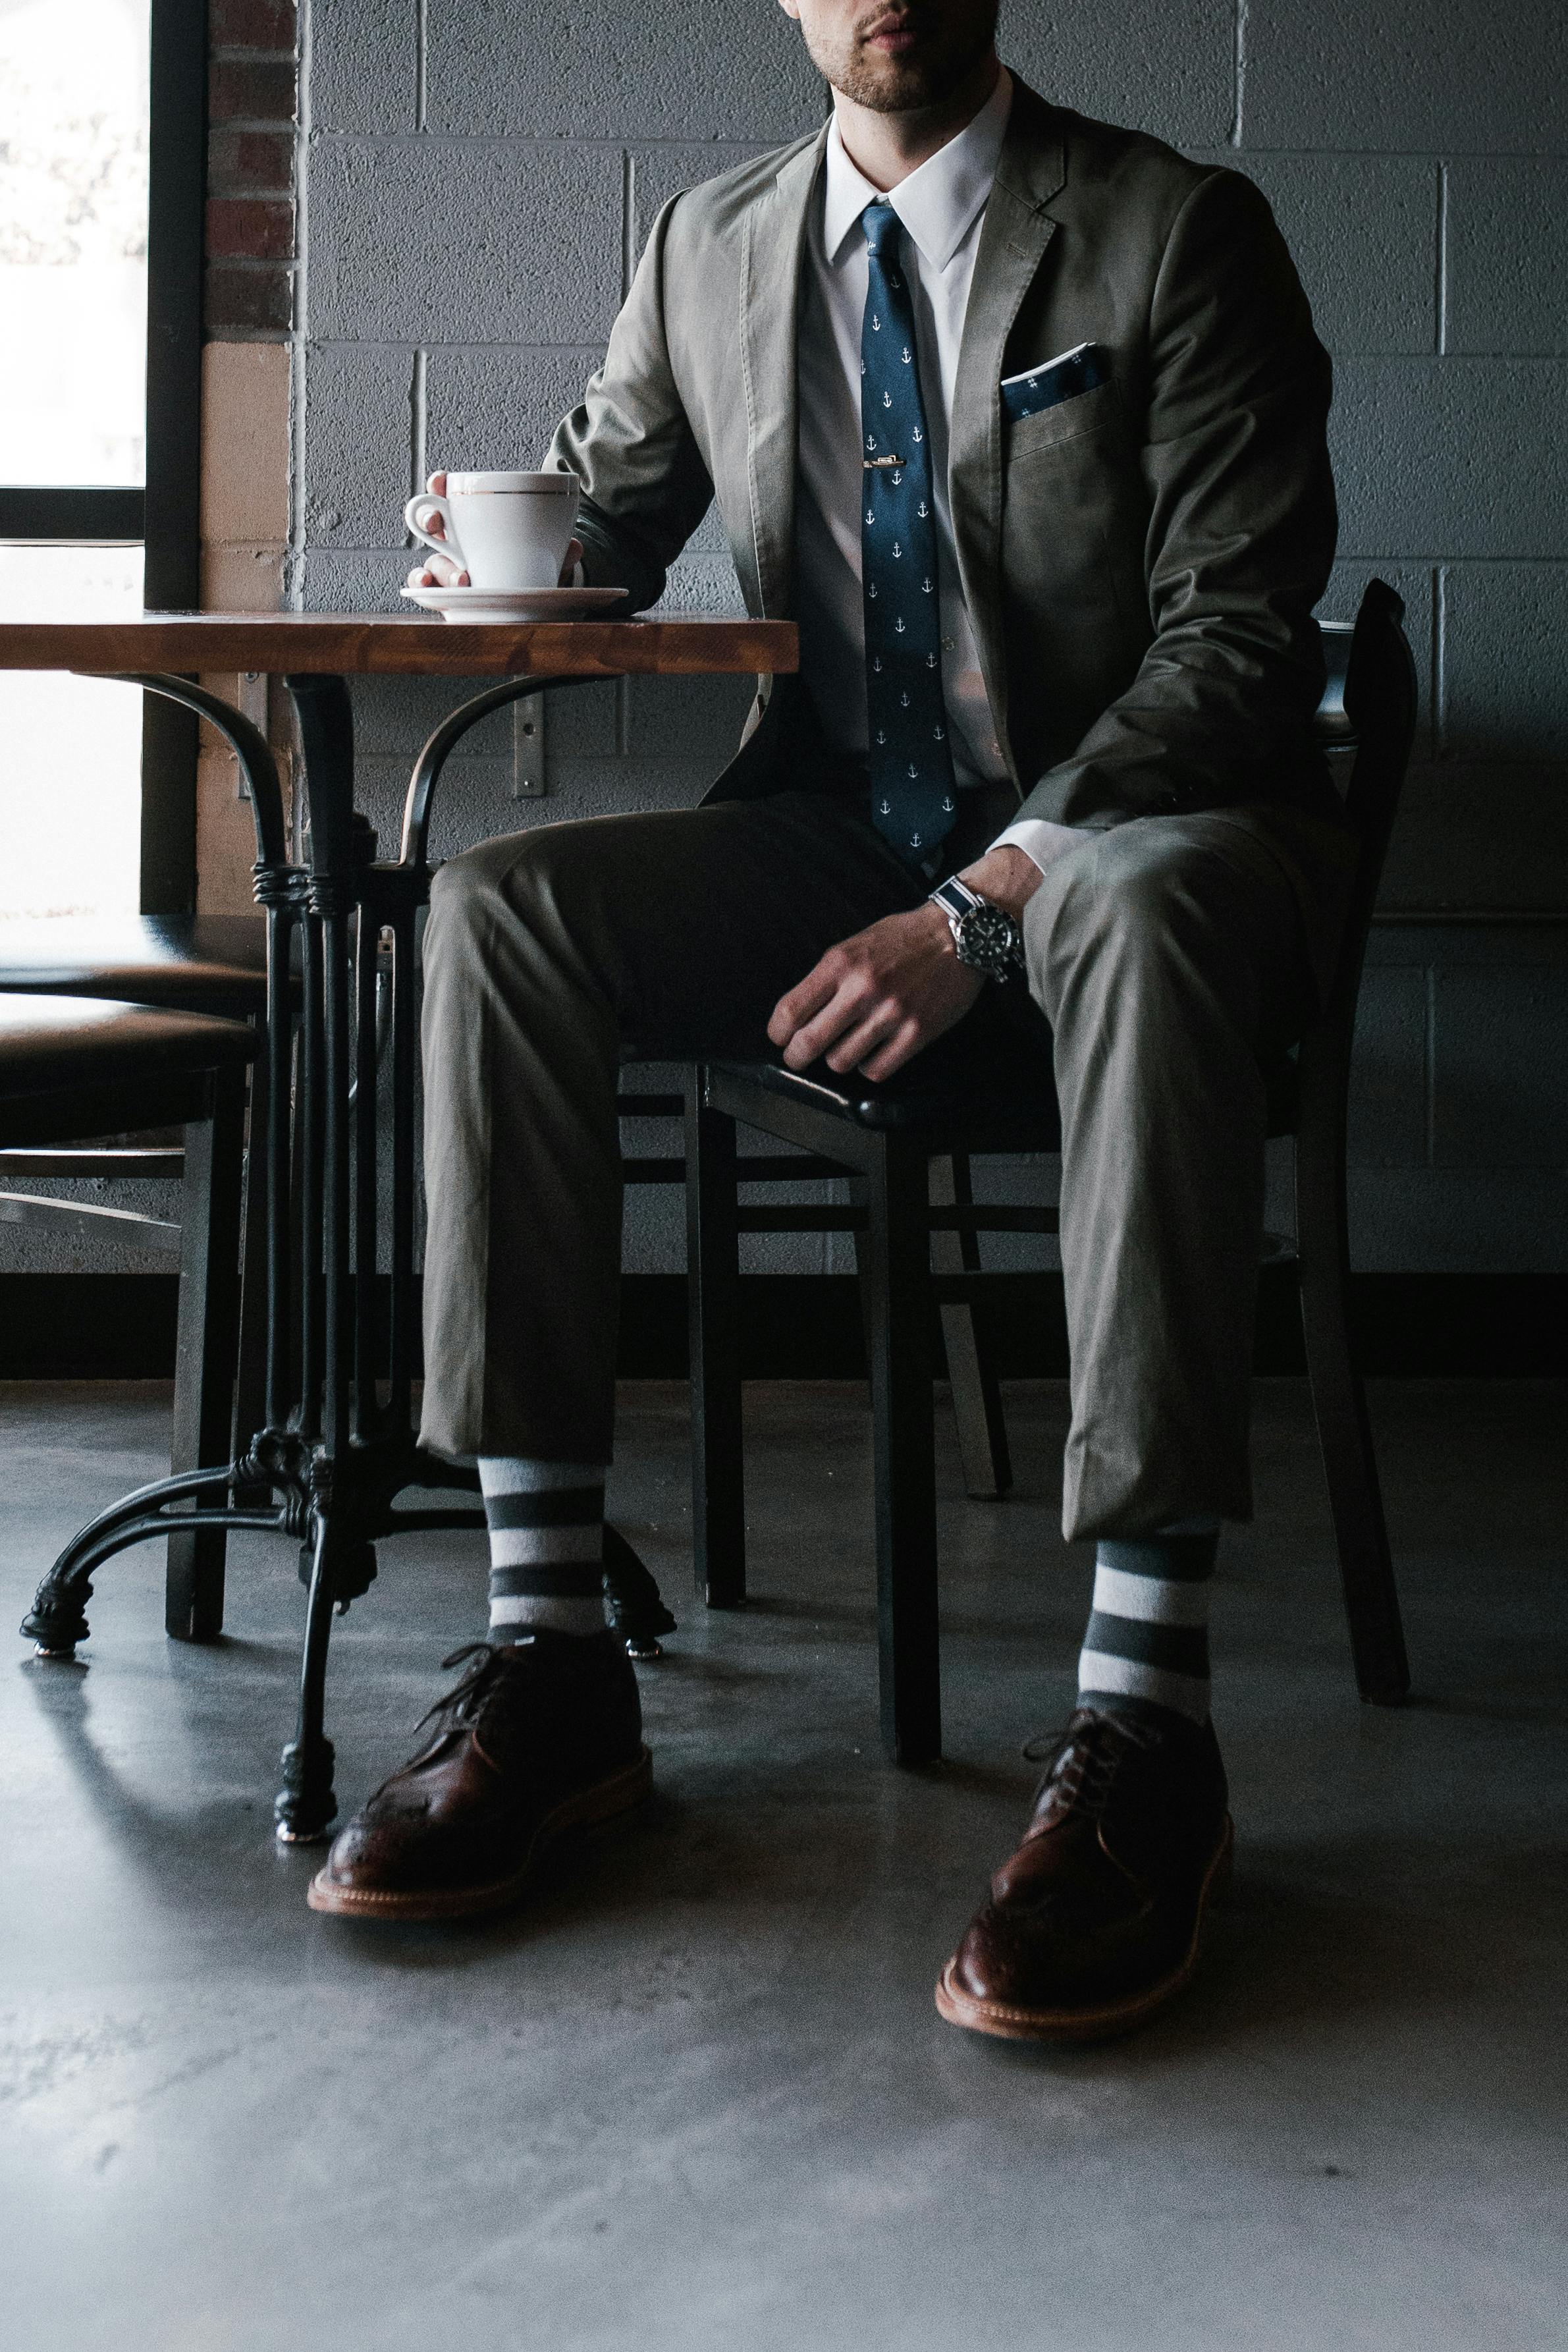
column 401, row 643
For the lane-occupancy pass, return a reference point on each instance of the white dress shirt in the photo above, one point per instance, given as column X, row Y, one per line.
column 941, row 207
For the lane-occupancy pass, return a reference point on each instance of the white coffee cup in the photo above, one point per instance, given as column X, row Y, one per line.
column 506, row 530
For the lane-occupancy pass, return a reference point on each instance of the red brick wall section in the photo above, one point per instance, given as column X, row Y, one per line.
column 253, row 89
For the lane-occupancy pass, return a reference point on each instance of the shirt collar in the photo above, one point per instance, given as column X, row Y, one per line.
column 939, row 203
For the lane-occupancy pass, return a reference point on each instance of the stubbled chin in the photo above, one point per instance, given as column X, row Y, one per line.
column 890, row 86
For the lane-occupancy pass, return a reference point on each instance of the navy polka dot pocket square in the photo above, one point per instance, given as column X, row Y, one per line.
column 1064, row 378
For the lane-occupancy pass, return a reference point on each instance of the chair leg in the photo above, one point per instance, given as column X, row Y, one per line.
column 1339, row 1401
column 204, row 1349
column 897, row 1265
column 250, row 1383
column 976, row 1392
column 305, row 1804
column 713, row 1274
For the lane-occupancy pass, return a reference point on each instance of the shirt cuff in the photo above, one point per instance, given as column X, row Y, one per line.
column 1040, row 841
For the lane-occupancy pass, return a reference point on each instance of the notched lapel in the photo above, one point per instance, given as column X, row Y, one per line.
column 1018, row 229
column 775, row 244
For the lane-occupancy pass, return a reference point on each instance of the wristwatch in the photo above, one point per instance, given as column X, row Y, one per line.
column 985, row 936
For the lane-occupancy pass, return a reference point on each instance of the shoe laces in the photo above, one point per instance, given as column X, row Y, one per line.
column 459, row 1709
column 1085, row 1757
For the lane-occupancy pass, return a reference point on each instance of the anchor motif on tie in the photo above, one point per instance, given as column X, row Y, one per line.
column 939, row 734
column 918, row 435
column 915, row 841
column 898, row 625
column 923, row 509
column 887, row 400
column 913, row 773
column 871, row 588
column 876, row 661
column 875, row 324
column 903, row 698
column 882, row 738
column 904, row 355
column 870, row 440
column 947, row 805
column 884, row 808
column 897, row 481
column 869, row 516
column 930, row 661
column 925, row 585
column 896, row 549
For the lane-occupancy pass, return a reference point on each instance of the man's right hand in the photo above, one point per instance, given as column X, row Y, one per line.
column 438, row 571
column 446, row 572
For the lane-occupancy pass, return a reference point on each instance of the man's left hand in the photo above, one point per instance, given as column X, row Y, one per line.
column 873, row 1001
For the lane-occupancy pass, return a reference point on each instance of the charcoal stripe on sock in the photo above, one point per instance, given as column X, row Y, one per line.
column 1173, row 1559
column 1179, row 1649
column 571, row 1506
column 549, row 1580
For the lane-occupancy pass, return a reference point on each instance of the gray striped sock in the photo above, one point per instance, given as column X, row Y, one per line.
column 1148, row 1633
column 547, row 1545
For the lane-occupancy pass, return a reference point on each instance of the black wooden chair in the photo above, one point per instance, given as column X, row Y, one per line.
column 887, row 1140
column 204, row 965
column 80, row 1068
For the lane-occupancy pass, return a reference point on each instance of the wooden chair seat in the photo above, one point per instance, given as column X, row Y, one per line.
column 1010, row 1103
column 53, row 1044
column 88, row 1067
column 200, row 964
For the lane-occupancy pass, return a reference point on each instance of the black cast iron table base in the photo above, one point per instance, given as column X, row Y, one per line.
column 338, row 1446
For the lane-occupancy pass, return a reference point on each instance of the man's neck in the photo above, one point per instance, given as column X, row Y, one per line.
column 888, row 147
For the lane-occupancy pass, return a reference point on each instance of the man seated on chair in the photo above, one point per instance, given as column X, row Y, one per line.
column 1021, row 419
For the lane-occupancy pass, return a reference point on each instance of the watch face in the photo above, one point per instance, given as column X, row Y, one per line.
column 988, row 940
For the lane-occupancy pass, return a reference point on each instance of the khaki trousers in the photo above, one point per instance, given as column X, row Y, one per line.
column 1168, row 956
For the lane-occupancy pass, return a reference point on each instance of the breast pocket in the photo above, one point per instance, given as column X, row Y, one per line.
column 1070, row 420
column 1074, row 519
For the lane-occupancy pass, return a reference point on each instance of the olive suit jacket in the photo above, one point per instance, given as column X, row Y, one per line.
column 1141, row 562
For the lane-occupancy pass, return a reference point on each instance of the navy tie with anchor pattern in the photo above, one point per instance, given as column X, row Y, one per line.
column 912, row 798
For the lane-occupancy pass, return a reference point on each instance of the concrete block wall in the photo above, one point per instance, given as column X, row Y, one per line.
column 477, row 179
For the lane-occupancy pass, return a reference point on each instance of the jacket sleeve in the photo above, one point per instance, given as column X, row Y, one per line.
column 1240, row 535
column 644, row 486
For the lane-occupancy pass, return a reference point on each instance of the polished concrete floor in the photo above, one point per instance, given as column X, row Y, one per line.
column 696, row 2096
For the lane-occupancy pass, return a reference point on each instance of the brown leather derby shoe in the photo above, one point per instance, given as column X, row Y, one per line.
column 541, row 1736
column 1096, row 1920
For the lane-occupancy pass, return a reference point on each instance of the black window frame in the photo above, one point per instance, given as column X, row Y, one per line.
column 165, row 515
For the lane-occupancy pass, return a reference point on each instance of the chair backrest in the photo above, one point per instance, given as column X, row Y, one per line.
column 1368, row 707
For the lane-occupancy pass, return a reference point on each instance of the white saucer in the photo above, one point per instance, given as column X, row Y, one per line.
column 513, row 604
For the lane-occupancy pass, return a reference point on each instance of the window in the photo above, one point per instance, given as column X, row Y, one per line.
column 101, row 168
column 73, row 241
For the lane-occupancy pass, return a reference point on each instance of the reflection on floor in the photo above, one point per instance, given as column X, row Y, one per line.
column 696, row 2096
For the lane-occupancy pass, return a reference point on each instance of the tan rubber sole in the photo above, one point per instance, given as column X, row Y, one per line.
column 1109, row 2019
column 588, row 1808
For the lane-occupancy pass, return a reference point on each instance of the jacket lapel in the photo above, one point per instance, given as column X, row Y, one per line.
column 1017, row 230
column 773, row 251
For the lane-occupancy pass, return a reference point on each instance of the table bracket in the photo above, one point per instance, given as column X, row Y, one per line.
column 528, row 747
